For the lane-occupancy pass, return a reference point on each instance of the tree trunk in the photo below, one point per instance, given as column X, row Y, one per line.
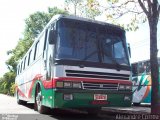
column 152, row 11
column 155, row 104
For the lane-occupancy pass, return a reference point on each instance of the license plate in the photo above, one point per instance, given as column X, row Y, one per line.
column 100, row 97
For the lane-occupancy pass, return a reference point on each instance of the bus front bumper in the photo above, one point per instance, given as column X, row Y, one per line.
column 91, row 98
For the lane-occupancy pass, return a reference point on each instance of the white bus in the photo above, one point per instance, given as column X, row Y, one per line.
column 141, row 78
column 76, row 63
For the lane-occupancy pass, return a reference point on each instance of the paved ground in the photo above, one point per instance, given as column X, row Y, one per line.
column 132, row 110
column 10, row 109
column 8, row 105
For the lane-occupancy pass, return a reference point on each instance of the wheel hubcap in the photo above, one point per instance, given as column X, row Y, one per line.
column 39, row 99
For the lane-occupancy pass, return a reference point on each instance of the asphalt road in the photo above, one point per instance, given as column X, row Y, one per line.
column 10, row 110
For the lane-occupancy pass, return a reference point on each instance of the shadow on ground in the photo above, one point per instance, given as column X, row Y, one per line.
column 69, row 114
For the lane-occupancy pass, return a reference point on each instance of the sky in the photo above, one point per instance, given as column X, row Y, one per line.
column 14, row 12
column 140, row 42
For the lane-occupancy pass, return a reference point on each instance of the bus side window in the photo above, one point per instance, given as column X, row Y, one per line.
column 141, row 68
column 21, row 66
column 24, row 64
column 36, row 50
column 148, row 68
column 134, row 69
column 18, row 70
column 45, row 42
column 29, row 57
column 41, row 44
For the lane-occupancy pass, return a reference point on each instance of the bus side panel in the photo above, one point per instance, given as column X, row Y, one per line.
column 142, row 89
column 47, row 95
column 142, row 81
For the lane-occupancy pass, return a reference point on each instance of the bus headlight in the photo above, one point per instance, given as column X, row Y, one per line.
column 121, row 87
column 76, row 85
column 59, row 84
column 128, row 87
column 67, row 84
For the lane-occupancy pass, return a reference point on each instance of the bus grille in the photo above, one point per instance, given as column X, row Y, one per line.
column 101, row 75
column 99, row 86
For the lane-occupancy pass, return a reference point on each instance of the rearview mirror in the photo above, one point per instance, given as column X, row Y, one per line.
column 52, row 36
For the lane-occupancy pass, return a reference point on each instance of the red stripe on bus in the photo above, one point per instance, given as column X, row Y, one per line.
column 37, row 77
column 126, row 82
column 21, row 93
column 49, row 84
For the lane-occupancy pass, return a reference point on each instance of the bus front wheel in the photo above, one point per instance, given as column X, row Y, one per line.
column 38, row 101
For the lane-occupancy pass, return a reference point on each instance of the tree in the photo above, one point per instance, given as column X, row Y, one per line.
column 75, row 4
column 84, row 8
column 151, row 9
column 6, row 82
column 89, row 9
column 34, row 25
column 37, row 21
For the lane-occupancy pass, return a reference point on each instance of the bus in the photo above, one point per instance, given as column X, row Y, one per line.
column 76, row 63
column 141, row 78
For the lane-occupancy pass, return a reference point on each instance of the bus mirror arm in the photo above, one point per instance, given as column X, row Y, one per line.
column 52, row 36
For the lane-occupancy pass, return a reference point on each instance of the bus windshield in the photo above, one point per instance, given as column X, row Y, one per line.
column 87, row 41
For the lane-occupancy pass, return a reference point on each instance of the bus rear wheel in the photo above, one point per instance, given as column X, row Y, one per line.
column 38, row 101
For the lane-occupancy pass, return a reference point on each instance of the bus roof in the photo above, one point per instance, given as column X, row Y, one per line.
column 59, row 16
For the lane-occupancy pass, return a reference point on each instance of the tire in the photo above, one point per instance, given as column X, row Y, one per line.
column 38, row 101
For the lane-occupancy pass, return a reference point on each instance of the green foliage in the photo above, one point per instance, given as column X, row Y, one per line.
column 75, row 3
column 17, row 53
column 91, row 9
column 84, row 8
column 6, row 82
column 34, row 25
column 37, row 21
column 54, row 11
column 12, row 88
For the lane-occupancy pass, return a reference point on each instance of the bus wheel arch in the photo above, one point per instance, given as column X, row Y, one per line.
column 38, row 100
